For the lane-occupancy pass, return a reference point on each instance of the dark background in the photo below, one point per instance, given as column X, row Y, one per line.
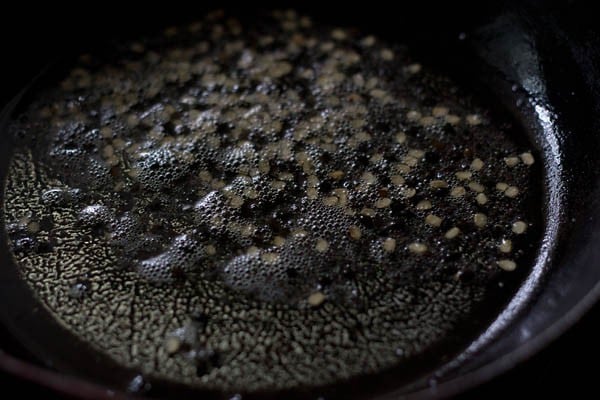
column 30, row 37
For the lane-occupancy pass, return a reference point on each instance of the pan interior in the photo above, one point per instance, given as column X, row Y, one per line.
column 62, row 221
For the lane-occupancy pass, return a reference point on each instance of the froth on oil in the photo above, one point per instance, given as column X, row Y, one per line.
column 257, row 206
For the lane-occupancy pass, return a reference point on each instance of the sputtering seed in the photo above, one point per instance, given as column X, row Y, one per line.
column 287, row 176
column 331, row 200
column 252, row 250
column 278, row 185
column 369, row 212
column 342, row 195
column 205, row 176
column 368, row 41
column 368, row 178
column 439, row 111
column 402, row 168
column 511, row 191
column 378, row 93
column 387, row 55
column 336, row 175
column 211, row 250
column 278, row 241
column 264, row 166
column 476, row 187
column 108, row 151
column 507, row 265
column 480, row 220
column 133, row 173
column 408, row 192
column 33, row 227
column 247, row 230
column 416, row 153
column 477, row 164
column 413, row 115
column 389, row 245
column 424, row 205
column 452, row 119
column 474, row 119
column 481, row 198
column 299, row 233
column 133, row 120
column 236, row 202
column 383, row 203
column 269, row 257
column 417, row 248
column 397, row 180
column 463, row 175
column 414, row 68
column 511, row 161
column 527, row 158
column 427, row 121
column 312, row 181
column 172, row 345
column 410, row 161
column 433, row 220
column 322, row 245
column 452, row 233
column 401, row 137
column 519, row 227
column 505, row 246
column 280, row 69
column 458, row 191
column 316, row 299
column 501, row 186
column 354, row 232
column 438, row 184
column 338, row 34
column 106, row 132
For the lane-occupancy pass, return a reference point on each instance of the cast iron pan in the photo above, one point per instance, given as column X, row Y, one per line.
column 540, row 61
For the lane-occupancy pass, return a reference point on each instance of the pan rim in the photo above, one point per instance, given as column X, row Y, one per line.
column 446, row 388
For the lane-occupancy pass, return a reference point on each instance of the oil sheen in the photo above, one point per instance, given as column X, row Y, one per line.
column 265, row 204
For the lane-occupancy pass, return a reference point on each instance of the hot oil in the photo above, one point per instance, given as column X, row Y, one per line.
column 243, row 206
